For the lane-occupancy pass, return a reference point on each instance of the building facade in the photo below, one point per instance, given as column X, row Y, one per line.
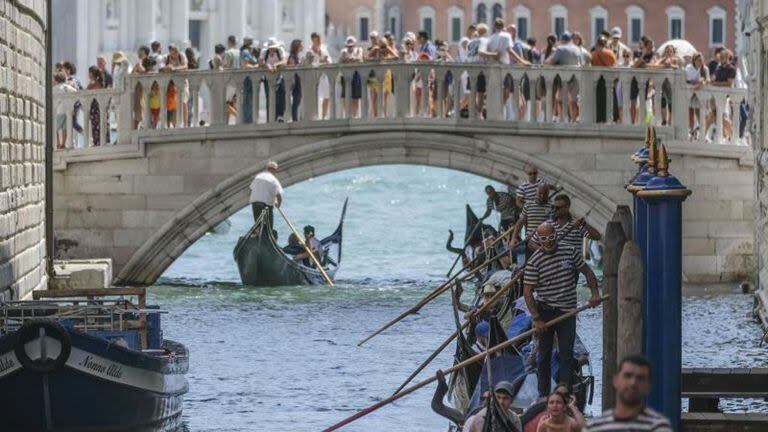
column 705, row 23
column 22, row 149
column 84, row 29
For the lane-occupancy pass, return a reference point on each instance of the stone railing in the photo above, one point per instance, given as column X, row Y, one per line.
column 141, row 104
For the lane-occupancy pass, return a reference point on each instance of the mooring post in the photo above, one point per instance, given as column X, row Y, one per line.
column 662, row 324
column 624, row 215
column 614, row 243
column 630, row 296
column 645, row 158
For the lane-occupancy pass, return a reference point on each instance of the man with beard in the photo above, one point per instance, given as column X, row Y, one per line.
column 552, row 273
column 632, row 384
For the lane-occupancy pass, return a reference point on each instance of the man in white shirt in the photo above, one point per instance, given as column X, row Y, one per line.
column 231, row 58
column 266, row 192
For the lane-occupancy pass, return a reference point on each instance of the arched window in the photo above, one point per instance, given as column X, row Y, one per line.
column 523, row 21
column 717, row 17
column 497, row 11
column 559, row 18
column 675, row 22
column 455, row 23
column 599, row 17
column 481, row 14
column 635, row 23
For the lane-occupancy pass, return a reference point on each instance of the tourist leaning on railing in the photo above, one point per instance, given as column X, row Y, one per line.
column 697, row 75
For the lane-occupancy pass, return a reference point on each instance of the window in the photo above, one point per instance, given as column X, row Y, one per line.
column 455, row 23
column 522, row 18
column 363, row 28
column 717, row 16
column 599, row 17
column 676, row 20
column 498, row 11
column 427, row 20
column 481, row 14
column 559, row 17
column 635, row 21
column 363, row 22
column 394, row 21
column 195, row 33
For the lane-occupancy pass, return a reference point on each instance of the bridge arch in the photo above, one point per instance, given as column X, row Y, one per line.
column 483, row 156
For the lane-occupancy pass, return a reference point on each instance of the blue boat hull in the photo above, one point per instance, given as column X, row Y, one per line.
column 99, row 387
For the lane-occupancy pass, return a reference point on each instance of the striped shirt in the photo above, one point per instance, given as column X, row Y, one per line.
column 527, row 191
column 570, row 235
column 648, row 420
column 535, row 214
column 554, row 276
column 506, row 206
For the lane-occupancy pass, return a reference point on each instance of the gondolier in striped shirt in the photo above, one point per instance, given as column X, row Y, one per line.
column 632, row 383
column 570, row 231
column 551, row 273
column 535, row 212
column 266, row 192
column 527, row 190
column 505, row 204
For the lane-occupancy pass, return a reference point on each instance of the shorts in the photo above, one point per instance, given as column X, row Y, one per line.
column 634, row 90
column 61, row 121
column 323, row 88
column 373, row 83
column 481, row 83
column 357, row 86
column 666, row 95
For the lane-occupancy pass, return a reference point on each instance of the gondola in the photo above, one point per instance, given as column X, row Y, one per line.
column 261, row 262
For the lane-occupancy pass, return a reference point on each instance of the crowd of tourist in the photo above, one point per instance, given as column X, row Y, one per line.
column 499, row 45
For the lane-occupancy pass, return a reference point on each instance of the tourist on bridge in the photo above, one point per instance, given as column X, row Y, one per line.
column 266, row 192
column 534, row 213
column 231, row 57
column 506, row 419
column 570, row 231
column 632, row 383
column 505, row 204
column 551, row 273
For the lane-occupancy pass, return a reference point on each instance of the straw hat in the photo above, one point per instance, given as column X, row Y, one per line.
column 118, row 57
column 351, row 41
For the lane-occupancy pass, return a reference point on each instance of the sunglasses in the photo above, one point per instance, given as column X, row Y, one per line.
column 549, row 238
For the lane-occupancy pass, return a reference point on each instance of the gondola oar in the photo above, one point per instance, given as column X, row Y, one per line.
column 306, row 248
column 436, row 292
column 454, row 368
column 450, row 338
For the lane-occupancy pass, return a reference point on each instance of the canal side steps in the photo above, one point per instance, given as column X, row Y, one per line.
column 761, row 306
column 705, row 387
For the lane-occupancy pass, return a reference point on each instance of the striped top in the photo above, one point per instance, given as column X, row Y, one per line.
column 506, row 206
column 535, row 214
column 570, row 235
column 554, row 276
column 527, row 191
column 648, row 420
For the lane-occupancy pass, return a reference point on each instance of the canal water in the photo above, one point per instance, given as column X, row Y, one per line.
column 285, row 359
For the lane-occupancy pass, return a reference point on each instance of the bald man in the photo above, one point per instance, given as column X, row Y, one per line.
column 552, row 272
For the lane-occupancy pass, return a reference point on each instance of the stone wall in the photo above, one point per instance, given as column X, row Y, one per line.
column 22, row 148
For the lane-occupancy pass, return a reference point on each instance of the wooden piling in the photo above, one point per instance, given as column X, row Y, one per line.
column 624, row 215
column 630, row 297
column 613, row 246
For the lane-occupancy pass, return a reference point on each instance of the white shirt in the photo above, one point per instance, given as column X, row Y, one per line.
column 500, row 42
column 265, row 187
column 60, row 89
column 318, row 58
column 692, row 74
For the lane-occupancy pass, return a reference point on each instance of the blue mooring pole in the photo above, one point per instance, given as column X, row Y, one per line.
column 663, row 196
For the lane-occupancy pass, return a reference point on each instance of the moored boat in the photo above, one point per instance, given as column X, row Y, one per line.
column 87, row 361
column 261, row 262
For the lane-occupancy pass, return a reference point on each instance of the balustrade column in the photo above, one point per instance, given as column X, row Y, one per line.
column 549, row 98
column 402, row 85
column 681, row 101
column 494, row 93
column 472, row 77
column 626, row 88
column 103, row 119
column 587, row 96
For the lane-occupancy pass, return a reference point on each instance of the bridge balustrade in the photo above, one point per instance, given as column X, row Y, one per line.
column 366, row 93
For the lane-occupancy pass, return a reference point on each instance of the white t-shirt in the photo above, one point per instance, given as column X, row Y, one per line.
column 265, row 187
column 60, row 89
column 500, row 42
column 315, row 58
column 692, row 74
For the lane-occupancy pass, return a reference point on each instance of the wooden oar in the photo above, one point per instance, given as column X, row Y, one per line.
column 454, row 368
column 434, row 293
column 450, row 338
column 306, row 248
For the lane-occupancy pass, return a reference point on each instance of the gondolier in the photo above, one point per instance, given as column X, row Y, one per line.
column 534, row 213
column 505, row 204
column 266, row 192
column 552, row 275
column 570, row 231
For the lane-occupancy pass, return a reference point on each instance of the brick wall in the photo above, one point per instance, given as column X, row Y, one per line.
column 22, row 149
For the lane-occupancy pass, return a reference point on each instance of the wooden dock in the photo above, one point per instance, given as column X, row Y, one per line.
column 704, row 389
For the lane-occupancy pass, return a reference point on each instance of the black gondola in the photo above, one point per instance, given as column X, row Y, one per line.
column 261, row 262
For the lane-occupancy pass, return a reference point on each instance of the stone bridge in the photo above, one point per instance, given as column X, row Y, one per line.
column 154, row 186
